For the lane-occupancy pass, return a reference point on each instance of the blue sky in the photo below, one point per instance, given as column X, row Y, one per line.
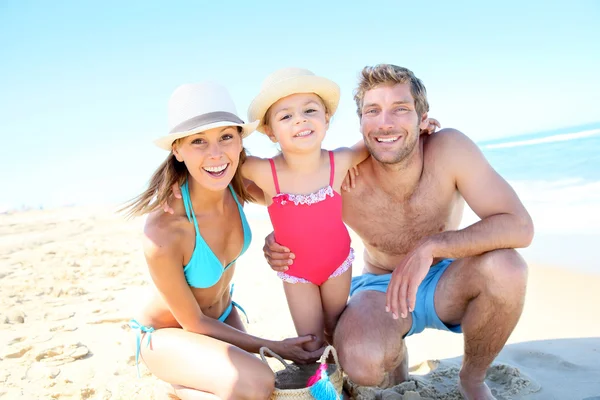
column 84, row 85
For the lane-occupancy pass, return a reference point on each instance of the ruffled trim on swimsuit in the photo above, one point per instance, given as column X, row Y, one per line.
column 308, row 199
column 340, row 270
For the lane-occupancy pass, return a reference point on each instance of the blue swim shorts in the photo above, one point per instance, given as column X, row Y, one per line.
column 424, row 315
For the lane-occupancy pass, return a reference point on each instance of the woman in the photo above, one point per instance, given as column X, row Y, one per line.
column 190, row 333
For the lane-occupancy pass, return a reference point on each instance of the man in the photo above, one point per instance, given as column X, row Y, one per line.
column 420, row 271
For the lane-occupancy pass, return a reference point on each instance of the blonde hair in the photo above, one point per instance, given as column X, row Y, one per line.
column 389, row 74
column 166, row 175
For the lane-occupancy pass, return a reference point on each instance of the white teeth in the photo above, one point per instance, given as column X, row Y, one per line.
column 303, row 133
column 387, row 140
column 215, row 169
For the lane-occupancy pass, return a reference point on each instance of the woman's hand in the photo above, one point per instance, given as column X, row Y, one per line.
column 432, row 125
column 291, row 349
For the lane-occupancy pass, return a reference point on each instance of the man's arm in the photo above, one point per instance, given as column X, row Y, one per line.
column 505, row 223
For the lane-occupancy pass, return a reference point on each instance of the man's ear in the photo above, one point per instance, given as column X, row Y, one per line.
column 424, row 121
column 269, row 133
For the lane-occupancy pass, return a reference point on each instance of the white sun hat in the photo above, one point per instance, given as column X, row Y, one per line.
column 197, row 107
column 288, row 81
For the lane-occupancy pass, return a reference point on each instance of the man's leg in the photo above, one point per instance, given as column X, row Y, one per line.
column 369, row 341
column 485, row 295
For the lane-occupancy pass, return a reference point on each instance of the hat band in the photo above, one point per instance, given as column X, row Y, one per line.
column 205, row 119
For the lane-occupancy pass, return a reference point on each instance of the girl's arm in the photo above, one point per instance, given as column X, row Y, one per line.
column 164, row 256
column 257, row 172
column 349, row 157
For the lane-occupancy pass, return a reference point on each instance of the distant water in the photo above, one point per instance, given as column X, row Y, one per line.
column 557, row 176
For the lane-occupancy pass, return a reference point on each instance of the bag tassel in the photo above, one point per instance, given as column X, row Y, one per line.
column 321, row 387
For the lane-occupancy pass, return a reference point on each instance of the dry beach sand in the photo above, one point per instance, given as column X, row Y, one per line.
column 71, row 278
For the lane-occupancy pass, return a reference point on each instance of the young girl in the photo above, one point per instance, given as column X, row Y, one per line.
column 302, row 192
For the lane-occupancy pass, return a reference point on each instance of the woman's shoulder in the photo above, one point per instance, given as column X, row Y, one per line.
column 163, row 234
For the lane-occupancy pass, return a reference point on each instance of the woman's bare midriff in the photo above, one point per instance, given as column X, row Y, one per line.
column 213, row 302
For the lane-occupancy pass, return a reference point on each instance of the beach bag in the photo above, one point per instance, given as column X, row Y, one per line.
column 320, row 381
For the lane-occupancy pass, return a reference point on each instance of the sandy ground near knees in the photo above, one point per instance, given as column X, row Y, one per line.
column 71, row 278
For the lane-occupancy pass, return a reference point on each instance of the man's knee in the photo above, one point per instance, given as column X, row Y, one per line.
column 504, row 268
column 363, row 363
column 366, row 361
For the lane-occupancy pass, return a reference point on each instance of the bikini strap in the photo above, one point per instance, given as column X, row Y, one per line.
column 234, row 195
column 274, row 172
column 187, row 203
column 331, row 169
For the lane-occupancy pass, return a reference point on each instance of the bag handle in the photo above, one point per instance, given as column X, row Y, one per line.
column 328, row 350
column 264, row 350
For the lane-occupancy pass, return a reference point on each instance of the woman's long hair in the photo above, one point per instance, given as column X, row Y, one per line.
column 166, row 175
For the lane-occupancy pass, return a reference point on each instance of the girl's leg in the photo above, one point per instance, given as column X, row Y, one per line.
column 199, row 366
column 304, row 302
column 334, row 295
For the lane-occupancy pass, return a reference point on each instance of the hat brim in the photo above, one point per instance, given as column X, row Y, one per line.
column 328, row 90
column 166, row 142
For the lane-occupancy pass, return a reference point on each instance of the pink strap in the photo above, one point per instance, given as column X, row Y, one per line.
column 332, row 168
column 274, row 175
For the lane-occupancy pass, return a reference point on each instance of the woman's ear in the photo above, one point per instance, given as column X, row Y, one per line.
column 175, row 150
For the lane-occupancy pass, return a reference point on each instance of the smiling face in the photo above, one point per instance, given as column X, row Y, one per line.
column 389, row 122
column 297, row 122
column 212, row 156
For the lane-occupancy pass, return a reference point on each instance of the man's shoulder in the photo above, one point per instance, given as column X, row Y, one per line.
column 448, row 142
column 446, row 137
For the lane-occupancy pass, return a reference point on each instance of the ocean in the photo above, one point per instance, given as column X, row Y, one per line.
column 557, row 176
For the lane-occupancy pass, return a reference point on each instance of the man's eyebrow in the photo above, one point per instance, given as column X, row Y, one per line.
column 370, row 105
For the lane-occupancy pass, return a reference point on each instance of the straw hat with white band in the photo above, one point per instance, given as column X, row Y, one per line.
column 198, row 107
column 288, row 81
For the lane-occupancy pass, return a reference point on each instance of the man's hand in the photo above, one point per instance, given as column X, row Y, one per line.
column 278, row 257
column 177, row 193
column 291, row 349
column 432, row 124
column 401, row 294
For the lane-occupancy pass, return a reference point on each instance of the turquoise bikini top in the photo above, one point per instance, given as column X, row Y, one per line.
column 204, row 269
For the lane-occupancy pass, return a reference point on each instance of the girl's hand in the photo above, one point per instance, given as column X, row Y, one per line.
column 350, row 179
column 291, row 349
column 177, row 194
column 431, row 126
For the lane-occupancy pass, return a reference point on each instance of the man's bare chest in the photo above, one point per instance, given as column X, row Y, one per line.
column 395, row 226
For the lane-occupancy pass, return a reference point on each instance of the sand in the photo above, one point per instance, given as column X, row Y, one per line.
column 71, row 278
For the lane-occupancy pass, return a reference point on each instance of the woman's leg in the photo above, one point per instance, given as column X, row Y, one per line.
column 334, row 296
column 304, row 302
column 199, row 366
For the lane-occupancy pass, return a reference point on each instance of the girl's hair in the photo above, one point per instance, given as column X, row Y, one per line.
column 170, row 172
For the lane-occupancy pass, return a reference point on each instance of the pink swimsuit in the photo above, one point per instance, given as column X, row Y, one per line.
column 311, row 227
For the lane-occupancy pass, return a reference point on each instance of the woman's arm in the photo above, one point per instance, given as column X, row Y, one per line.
column 164, row 257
